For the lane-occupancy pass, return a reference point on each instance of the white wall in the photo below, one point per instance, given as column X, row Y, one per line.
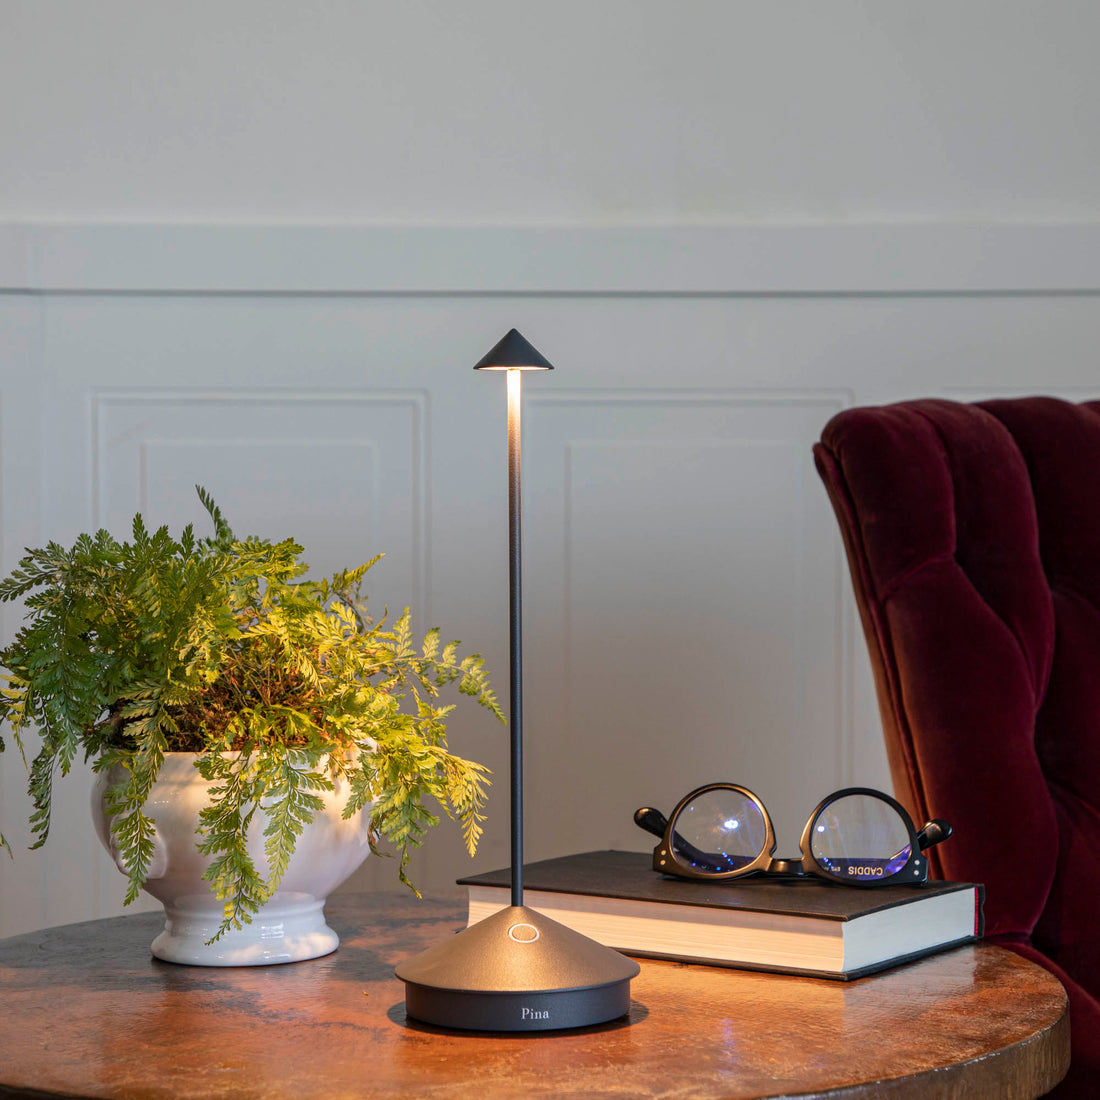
column 592, row 111
column 260, row 246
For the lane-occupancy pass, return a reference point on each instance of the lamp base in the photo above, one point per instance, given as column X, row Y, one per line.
column 517, row 970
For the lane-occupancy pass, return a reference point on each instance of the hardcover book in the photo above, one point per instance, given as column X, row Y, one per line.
column 797, row 926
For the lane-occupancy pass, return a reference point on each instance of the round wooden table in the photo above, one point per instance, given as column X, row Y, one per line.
column 87, row 1012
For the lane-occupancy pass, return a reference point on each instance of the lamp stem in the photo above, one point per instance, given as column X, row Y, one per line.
column 515, row 618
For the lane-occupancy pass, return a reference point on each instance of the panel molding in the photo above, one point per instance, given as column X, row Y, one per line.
column 726, row 429
column 840, row 397
column 891, row 258
column 103, row 399
column 829, row 399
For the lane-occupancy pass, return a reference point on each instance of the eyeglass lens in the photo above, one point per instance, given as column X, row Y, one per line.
column 860, row 837
column 719, row 830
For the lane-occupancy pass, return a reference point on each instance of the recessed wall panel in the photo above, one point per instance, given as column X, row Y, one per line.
column 682, row 578
column 342, row 474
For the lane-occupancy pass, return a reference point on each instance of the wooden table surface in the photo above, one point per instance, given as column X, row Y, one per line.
column 86, row 1011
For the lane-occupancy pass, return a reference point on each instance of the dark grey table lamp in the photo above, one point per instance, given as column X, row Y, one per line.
column 516, row 970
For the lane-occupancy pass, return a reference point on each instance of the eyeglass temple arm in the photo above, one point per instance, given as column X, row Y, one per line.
column 653, row 821
column 934, row 832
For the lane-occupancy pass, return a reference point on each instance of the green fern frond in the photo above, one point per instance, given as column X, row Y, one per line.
column 290, row 805
column 223, row 534
column 40, row 788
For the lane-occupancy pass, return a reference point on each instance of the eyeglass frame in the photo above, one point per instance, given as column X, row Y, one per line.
column 932, row 832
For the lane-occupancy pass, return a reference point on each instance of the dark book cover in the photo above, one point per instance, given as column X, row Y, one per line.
column 630, row 875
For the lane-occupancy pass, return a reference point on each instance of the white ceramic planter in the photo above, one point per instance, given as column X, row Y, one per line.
column 290, row 927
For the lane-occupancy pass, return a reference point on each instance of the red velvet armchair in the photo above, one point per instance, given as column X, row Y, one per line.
column 973, row 538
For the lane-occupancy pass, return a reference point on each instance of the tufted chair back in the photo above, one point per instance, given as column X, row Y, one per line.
column 973, row 539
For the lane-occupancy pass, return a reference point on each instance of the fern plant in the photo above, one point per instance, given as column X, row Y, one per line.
column 217, row 646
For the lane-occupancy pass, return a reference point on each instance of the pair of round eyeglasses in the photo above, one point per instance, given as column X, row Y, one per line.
column 857, row 836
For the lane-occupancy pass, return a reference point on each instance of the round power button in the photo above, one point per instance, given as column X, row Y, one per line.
column 523, row 933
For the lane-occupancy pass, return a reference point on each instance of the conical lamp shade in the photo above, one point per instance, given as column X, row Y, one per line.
column 513, row 353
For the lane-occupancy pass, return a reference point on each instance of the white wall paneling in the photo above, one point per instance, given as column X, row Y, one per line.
column 353, row 463
column 23, row 882
column 349, row 467
column 676, row 555
column 688, row 609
